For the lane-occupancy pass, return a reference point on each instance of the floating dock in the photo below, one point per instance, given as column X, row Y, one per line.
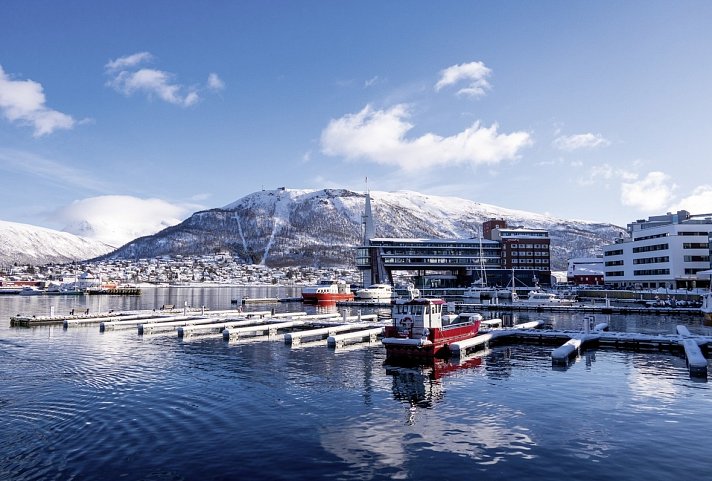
column 344, row 331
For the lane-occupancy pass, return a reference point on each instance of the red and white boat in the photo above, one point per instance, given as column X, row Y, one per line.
column 421, row 329
column 327, row 291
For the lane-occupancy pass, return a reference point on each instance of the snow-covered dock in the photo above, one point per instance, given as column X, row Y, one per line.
column 365, row 335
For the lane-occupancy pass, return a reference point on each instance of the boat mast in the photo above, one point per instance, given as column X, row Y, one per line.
column 483, row 271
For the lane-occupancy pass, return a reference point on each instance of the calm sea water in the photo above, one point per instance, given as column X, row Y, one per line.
column 78, row 404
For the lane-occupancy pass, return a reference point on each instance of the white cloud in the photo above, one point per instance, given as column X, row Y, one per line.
column 23, row 101
column 569, row 143
column 475, row 73
column 606, row 173
column 118, row 219
column 371, row 82
column 215, row 82
column 698, row 202
column 129, row 61
column 380, row 136
column 127, row 78
column 653, row 193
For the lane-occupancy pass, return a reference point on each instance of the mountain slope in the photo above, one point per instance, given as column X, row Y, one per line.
column 27, row 244
column 322, row 227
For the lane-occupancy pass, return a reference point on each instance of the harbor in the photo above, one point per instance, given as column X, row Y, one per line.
column 123, row 365
column 338, row 328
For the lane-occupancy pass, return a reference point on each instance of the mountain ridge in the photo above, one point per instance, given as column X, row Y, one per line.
column 322, row 227
column 29, row 244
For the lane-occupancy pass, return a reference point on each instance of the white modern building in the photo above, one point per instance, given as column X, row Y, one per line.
column 664, row 251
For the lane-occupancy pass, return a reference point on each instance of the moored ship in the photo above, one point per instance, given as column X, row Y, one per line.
column 375, row 293
column 422, row 329
column 327, row 290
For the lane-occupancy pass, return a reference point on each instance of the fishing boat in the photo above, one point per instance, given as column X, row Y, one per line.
column 421, row 328
column 375, row 293
column 327, row 290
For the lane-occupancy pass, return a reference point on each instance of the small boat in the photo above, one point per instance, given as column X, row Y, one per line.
column 539, row 297
column 30, row 291
column 422, row 329
column 375, row 293
column 327, row 290
column 479, row 292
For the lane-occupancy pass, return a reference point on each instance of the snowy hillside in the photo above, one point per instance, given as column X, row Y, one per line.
column 321, row 227
column 27, row 244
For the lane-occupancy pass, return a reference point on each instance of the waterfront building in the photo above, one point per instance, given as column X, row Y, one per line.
column 668, row 251
column 523, row 250
column 457, row 263
column 585, row 271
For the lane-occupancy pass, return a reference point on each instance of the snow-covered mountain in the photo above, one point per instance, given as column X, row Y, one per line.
column 322, row 227
column 27, row 244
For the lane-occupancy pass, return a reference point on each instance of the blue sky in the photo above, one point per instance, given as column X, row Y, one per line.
column 139, row 113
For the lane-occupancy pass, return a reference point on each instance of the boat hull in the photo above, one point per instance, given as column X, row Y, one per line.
column 436, row 345
column 313, row 298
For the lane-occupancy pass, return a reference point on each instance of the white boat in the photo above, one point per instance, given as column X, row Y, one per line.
column 539, row 297
column 479, row 292
column 30, row 291
column 375, row 293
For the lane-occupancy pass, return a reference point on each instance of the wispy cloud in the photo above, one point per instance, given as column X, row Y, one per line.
column 570, row 143
column 129, row 61
column 475, row 74
column 606, row 174
column 372, row 81
column 49, row 171
column 652, row 193
column 23, row 101
column 127, row 78
column 380, row 136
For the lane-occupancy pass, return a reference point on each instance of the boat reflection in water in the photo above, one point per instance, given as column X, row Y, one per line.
column 420, row 385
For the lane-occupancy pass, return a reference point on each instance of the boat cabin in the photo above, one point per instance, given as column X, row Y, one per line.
column 420, row 317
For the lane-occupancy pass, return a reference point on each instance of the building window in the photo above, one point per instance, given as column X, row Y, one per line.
column 652, row 272
column 695, row 245
column 654, row 247
column 696, row 258
column 651, row 260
